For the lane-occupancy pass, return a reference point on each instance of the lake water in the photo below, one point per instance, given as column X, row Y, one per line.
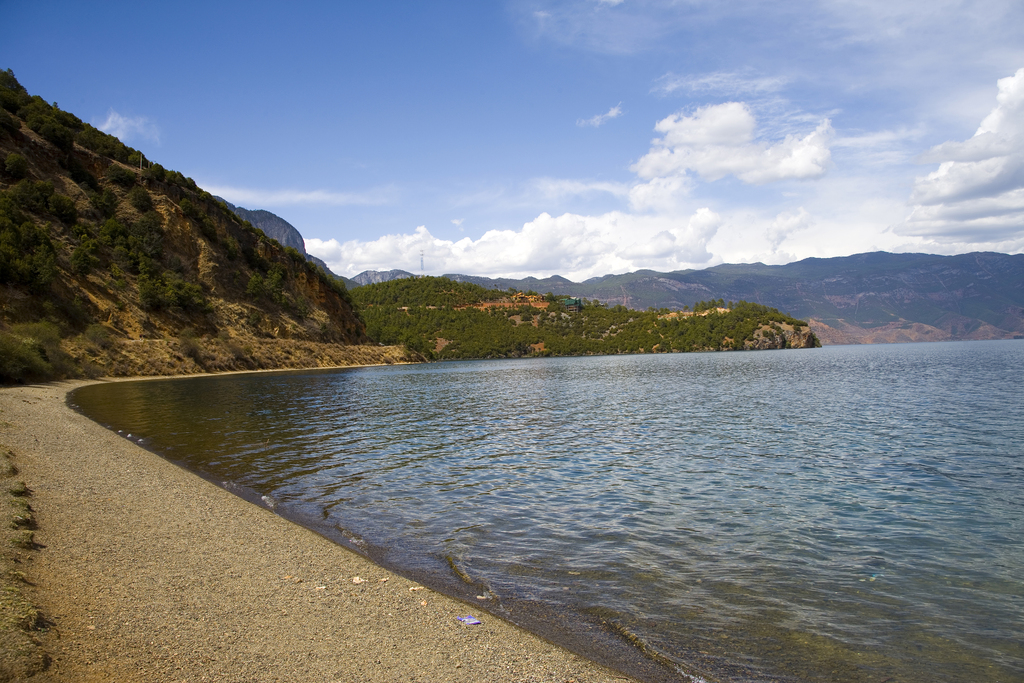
column 838, row 514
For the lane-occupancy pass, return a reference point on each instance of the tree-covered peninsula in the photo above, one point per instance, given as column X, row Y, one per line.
column 443, row 319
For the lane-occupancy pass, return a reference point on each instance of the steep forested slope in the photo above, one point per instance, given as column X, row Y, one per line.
column 111, row 264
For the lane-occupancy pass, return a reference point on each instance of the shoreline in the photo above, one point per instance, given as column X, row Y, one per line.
column 145, row 571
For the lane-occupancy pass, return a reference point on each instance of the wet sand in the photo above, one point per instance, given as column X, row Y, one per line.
column 147, row 572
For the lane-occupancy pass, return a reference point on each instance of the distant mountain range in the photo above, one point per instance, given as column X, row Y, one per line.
column 868, row 298
column 865, row 298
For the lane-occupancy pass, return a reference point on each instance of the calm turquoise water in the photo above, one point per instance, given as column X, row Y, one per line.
column 845, row 513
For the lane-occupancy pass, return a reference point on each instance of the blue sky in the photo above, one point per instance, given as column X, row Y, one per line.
column 578, row 138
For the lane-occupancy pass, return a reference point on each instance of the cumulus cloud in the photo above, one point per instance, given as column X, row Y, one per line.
column 126, row 128
column 596, row 121
column 575, row 246
column 664, row 229
column 977, row 193
column 262, row 198
column 719, row 140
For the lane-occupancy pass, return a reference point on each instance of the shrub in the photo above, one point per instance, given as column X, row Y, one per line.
column 102, row 143
column 58, row 135
column 155, row 172
column 188, row 208
column 231, row 248
column 105, row 203
column 99, row 335
column 33, row 196
column 63, row 208
column 7, row 122
column 119, row 175
column 16, row 165
column 256, row 287
column 82, row 259
column 20, row 361
column 139, row 198
column 146, row 235
column 36, row 350
column 81, row 175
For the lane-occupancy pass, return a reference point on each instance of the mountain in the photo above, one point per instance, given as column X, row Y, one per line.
column 271, row 224
column 111, row 264
column 865, row 298
column 279, row 229
column 372, row 277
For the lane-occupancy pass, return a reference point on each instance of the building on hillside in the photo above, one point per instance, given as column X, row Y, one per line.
column 573, row 304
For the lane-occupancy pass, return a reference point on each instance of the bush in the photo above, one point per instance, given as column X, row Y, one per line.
column 16, row 165
column 256, row 287
column 58, row 135
column 98, row 335
column 32, row 352
column 8, row 122
column 189, row 346
column 150, row 293
column 34, row 196
column 102, row 143
column 105, row 203
column 63, row 208
column 82, row 259
column 119, row 175
column 139, row 198
column 188, row 208
column 20, row 361
column 81, row 175
column 155, row 172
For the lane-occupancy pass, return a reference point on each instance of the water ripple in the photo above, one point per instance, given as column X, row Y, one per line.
column 848, row 513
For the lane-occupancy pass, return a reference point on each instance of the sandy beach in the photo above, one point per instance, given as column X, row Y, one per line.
column 146, row 572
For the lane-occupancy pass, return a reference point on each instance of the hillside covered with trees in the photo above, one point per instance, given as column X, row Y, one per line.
column 113, row 265
column 443, row 319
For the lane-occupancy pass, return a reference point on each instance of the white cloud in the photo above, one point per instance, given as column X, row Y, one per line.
column 577, row 247
column 127, row 128
column 660, row 194
column 977, row 193
column 457, row 222
column 785, row 224
column 730, row 83
column 556, row 188
column 596, row 121
column 265, row 198
column 666, row 229
column 719, row 140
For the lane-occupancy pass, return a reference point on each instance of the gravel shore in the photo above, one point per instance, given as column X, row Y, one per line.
column 146, row 572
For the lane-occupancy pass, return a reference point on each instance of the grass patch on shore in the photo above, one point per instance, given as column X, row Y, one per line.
column 21, row 653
